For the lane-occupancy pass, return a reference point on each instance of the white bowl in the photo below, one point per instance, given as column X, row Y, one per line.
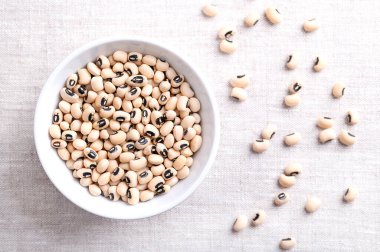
column 61, row 176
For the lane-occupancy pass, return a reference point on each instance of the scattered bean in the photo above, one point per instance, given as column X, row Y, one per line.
column 227, row 46
column 251, row 19
column 286, row 181
column 260, row 145
column 239, row 94
column 240, row 223
column 319, row 64
column 259, row 218
column 347, row 138
column 292, row 139
column 325, row 122
column 350, row 194
column 327, row 135
column 312, row 204
column 281, row 199
column 210, row 10
column 287, row 243
column 352, row 117
column 273, row 15
column 311, row 25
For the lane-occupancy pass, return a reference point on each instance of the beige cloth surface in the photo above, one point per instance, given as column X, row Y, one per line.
column 36, row 35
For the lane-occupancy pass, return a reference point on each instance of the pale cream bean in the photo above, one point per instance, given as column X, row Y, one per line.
column 186, row 90
column 102, row 62
column 117, row 102
column 131, row 178
column 70, row 164
column 157, row 170
column 325, row 122
column 166, row 128
column 295, row 87
column 210, row 10
column 292, row 139
column 172, row 103
column 68, row 95
column 281, row 199
column 327, row 135
column 292, row 100
column 87, row 163
column 118, row 137
column 227, row 46
column 195, row 143
column 76, row 154
column 260, row 145
column 131, row 68
column 97, row 83
column 104, row 134
column 194, row 104
column 350, row 194
column 311, row 25
column 68, row 135
column 114, row 152
column 144, row 177
column 239, row 94
column 138, row 164
column 293, row 169
column 71, row 81
column 287, row 243
column 88, row 114
column 104, row 178
column 136, row 116
column 58, row 143
column 107, row 112
column 338, row 90
column 109, row 88
column 352, row 117
column 189, row 162
column 183, row 173
column 102, row 154
column 189, row 134
column 146, row 70
column 117, row 174
column 259, row 218
column 84, row 77
column 76, row 110
column 347, row 138
column 292, row 61
column 93, row 69
column 269, row 131
column 68, row 118
column 114, row 125
column 107, row 73
column 94, row 190
column 120, row 56
column 90, row 97
column 63, row 153
column 149, row 60
column 55, row 131
column 133, row 196
column 286, row 181
column 90, row 154
column 75, row 125
column 86, row 128
column 118, row 67
column 240, row 81
column 146, row 195
column 112, row 193
column 126, row 157
column 162, row 65
column 64, row 106
column 312, row 204
column 156, row 184
column 273, row 15
column 173, row 154
column 182, row 103
column 85, row 182
column 179, row 163
column 133, row 135
column 155, row 159
column 122, row 188
column 169, row 141
column 79, row 144
column 319, row 64
column 251, row 19
column 227, row 31
column 177, row 132
column 240, row 223
column 188, row 121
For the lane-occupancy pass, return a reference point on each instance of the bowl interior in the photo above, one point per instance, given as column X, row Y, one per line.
column 56, row 168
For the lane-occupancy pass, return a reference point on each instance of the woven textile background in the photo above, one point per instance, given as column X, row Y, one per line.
column 36, row 35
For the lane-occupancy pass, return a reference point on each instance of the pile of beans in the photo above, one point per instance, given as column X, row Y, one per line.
column 127, row 126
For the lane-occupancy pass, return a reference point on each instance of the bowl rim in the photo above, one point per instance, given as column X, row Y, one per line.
column 216, row 119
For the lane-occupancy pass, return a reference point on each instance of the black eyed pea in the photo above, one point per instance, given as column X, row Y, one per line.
column 58, row 143
column 114, row 125
column 133, row 196
column 312, row 204
column 188, row 121
column 150, row 149
column 117, row 174
column 120, row 56
column 135, row 57
column 179, row 163
column 183, row 114
column 131, row 178
column 84, row 173
column 240, row 81
column 118, row 137
column 173, row 154
column 75, row 154
column 162, row 65
column 165, row 86
column 90, row 97
column 169, row 173
column 164, row 189
column 64, row 106
column 227, row 46
column 107, row 73
column 142, row 143
column 104, row 189
column 269, row 131
column 295, row 87
column 55, row 131
column 327, row 135
column 239, row 94
column 122, row 90
column 178, row 132
column 153, row 104
column 76, row 110
column 338, row 90
column 136, row 116
column 101, row 124
column 133, row 135
column 95, row 176
column 93, row 69
column 90, row 164
column 273, row 15
column 68, row 95
column 182, row 103
column 319, row 64
column 292, row 139
column 85, row 182
column 157, row 170
column 155, row 159
column 156, row 184
column 76, row 125
column 240, row 223
column 94, row 190
column 84, row 77
column 347, row 138
column 102, row 62
column 118, row 67
column 172, row 103
column 112, row 193
column 68, row 118
column 287, row 243
column 311, row 25
column 120, row 79
column 292, row 100
column 144, row 177
column 114, row 152
column 146, row 70
column 177, row 81
column 104, row 178
column 122, row 188
column 86, row 128
column 210, row 10
column 189, row 161
column 286, row 181
column 352, row 117
column 97, row 83
column 281, row 199
column 350, row 194
column 107, row 112
column 69, row 135
column 90, row 154
column 138, row 164
column 183, row 173
column 57, row 116
column 126, row 157
column 293, row 169
column 161, row 149
column 194, row 104
column 101, row 100
column 172, row 182
column 88, row 114
column 195, row 143
column 180, row 145
column 131, row 68
column 227, row 31
column 189, row 134
column 260, row 145
column 128, row 146
column 79, row 144
column 149, row 60
column 121, row 116
column 164, row 97
column 132, row 94
column 71, row 81
column 146, row 195
column 166, row 128
column 259, row 218
column 325, row 122
column 292, row 61
column 251, row 19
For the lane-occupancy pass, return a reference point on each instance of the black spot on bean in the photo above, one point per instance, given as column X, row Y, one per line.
column 133, row 91
column 69, row 92
column 240, row 76
column 86, row 174
column 137, row 79
column 144, row 174
column 350, row 134
column 256, row 217
column 111, row 196
column 116, row 171
column 99, row 62
column 282, row 196
column 168, row 174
